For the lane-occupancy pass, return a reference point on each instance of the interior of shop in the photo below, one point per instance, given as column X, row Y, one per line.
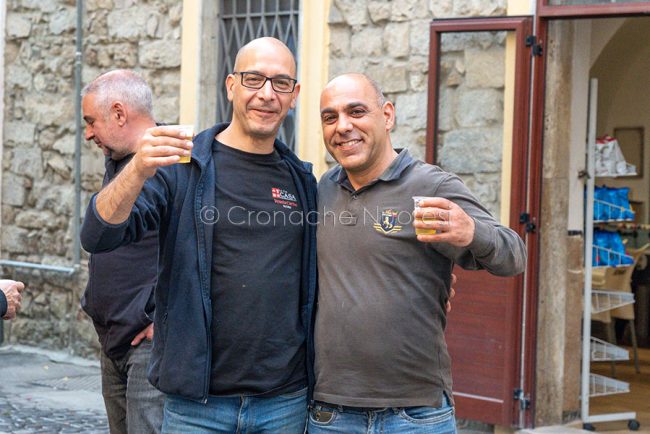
column 616, row 52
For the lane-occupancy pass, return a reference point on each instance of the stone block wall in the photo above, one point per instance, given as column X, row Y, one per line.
column 37, row 200
column 389, row 41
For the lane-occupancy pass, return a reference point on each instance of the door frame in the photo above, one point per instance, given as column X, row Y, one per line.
column 546, row 13
column 545, row 10
column 522, row 187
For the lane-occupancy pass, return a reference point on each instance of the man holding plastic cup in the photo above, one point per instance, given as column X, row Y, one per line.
column 237, row 282
column 381, row 357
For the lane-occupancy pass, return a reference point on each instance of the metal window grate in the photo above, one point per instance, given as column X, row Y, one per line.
column 241, row 21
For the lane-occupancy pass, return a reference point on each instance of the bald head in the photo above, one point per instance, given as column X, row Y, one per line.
column 124, row 86
column 358, row 78
column 264, row 45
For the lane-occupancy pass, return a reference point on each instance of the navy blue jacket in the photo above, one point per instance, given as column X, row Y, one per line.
column 179, row 202
column 4, row 304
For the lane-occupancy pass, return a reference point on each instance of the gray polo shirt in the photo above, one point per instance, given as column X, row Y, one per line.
column 381, row 315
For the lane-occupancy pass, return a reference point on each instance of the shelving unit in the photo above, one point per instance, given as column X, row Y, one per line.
column 616, row 259
column 610, row 211
column 602, row 351
column 599, row 385
column 596, row 301
column 602, row 301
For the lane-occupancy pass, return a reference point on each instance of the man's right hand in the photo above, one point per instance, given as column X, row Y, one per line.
column 160, row 146
column 12, row 290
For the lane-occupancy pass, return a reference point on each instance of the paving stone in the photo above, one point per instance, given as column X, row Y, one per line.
column 25, row 419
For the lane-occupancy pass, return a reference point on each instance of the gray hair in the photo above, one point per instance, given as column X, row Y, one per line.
column 121, row 85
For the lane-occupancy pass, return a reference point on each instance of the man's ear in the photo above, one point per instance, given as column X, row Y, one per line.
column 294, row 97
column 118, row 112
column 230, row 82
column 389, row 115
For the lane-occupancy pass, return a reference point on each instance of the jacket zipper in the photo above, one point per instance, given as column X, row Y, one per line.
column 206, row 376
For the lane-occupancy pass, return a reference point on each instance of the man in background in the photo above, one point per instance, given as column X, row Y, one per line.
column 119, row 297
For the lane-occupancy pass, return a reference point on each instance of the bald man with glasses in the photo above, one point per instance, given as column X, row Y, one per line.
column 234, row 298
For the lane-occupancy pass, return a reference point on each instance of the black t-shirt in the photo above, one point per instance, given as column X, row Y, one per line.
column 258, row 342
column 119, row 296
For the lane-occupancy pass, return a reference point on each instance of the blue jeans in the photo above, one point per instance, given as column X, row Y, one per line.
column 286, row 414
column 326, row 419
column 133, row 405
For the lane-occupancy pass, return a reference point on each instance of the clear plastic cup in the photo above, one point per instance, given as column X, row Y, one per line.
column 188, row 130
column 423, row 231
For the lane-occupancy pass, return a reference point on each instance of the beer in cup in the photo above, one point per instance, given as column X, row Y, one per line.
column 426, row 219
column 188, row 131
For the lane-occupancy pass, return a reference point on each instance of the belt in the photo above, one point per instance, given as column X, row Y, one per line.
column 348, row 408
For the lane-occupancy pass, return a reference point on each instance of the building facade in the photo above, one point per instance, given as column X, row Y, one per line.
column 494, row 90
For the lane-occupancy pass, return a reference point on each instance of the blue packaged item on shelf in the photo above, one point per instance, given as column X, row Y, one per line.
column 600, row 256
column 612, row 204
column 609, row 250
column 600, row 211
column 612, row 197
column 624, row 200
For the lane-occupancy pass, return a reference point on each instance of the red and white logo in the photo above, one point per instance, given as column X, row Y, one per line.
column 284, row 198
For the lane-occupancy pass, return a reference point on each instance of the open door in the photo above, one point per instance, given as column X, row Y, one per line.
column 478, row 128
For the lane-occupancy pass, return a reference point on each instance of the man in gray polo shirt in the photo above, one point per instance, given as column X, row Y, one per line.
column 381, row 359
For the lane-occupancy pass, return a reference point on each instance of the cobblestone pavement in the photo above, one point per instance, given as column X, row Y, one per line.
column 49, row 392
column 24, row 419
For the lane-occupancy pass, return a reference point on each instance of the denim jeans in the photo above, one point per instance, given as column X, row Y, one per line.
column 326, row 419
column 285, row 414
column 133, row 405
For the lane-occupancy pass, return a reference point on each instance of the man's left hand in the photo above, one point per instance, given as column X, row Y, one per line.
column 147, row 334
column 452, row 292
column 451, row 222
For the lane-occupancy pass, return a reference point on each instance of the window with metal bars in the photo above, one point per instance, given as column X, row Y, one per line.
column 241, row 21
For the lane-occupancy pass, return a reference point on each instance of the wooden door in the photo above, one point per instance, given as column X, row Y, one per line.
column 478, row 118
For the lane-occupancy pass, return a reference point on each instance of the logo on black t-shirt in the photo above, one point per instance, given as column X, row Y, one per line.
column 284, row 198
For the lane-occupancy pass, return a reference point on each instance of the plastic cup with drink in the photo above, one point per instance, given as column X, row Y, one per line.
column 427, row 219
column 188, row 132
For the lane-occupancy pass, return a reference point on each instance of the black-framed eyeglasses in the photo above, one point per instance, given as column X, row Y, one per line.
column 253, row 80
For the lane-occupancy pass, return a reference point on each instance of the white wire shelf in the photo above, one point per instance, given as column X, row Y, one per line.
column 602, row 351
column 608, row 174
column 600, row 385
column 612, row 258
column 602, row 301
column 608, row 212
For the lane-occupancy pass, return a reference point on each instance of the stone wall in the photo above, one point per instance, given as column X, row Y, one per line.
column 389, row 40
column 38, row 141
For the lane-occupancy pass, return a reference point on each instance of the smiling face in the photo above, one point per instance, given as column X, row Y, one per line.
column 258, row 113
column 356, row 127
column 103, row 129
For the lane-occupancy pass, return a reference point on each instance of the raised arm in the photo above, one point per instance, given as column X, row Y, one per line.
column 160, row 146
column 133, row 204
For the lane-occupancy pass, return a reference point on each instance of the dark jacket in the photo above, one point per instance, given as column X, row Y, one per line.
column 4, row 305
column 119, row 296
column 179, row 202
